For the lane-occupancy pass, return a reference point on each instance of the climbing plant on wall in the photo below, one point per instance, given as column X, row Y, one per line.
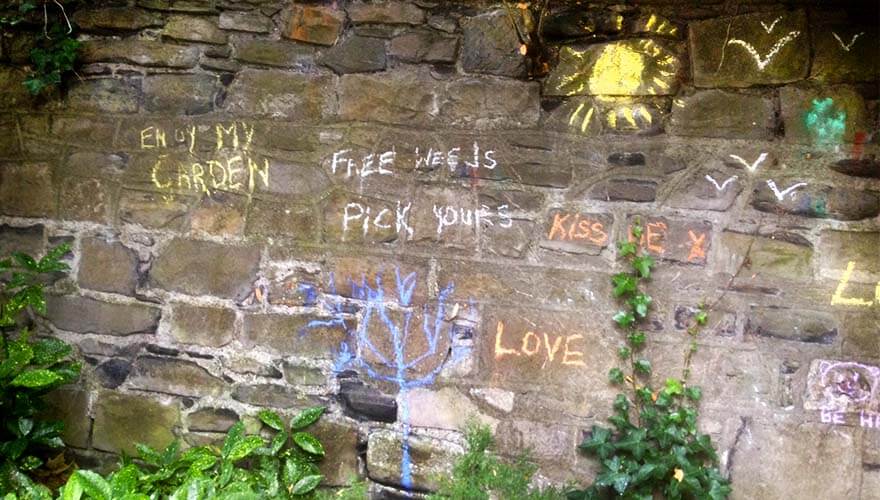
column 653, row 446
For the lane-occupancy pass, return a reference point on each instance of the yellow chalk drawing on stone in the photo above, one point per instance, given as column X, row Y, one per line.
column 839, row 299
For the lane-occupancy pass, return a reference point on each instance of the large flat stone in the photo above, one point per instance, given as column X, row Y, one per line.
column 822, row 116
column 174, row 376
column 279, row 94
column 26, row 190
column 719, row 113
column 107, row 266
column 186, row 94
column 490, row 45
column 206, row 326
column 122, row 420
column 430, row 458
column 292, row 335
column 86, row 315
column 205, row 268
column 140, row 52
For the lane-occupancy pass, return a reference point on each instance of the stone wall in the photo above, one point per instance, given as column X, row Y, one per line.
column 387, row 209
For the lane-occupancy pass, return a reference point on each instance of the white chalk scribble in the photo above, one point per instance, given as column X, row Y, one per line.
column 769, row 29
column 723, row 184
column 753, row 166
column 762, row 62
column 847, row 46
column 780, row 195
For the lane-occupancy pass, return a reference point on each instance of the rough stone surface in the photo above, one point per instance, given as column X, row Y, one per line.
column 179, row 268
column 429, row 458
column 115, row 19
column 490, row 45
column 253, row 22
column 27, row 190
column 211, row 420
column 362, row 401
column 291, row 335
column 86, row 315
column 804, row 326
column 107, row 267
column 707, row 114
column 278, row 94
column 385, row 12
column 315, row 24
column 397, row 98
column 193, row 29
column 816, row 201
column 444, row 408
column 281, row 53
column 28, row 239
column 752, row 54
column 72, row 406
column 838, row 248
column 844, row 53
column 424, row 46
column 191, row 94
column 357, row 54
column 174, row 376
column 205, row 326
column 142, row 52
column 823, row 117
column 123, row 419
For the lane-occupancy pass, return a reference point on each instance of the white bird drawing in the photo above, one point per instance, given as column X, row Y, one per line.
column 847, row 46
column 723, row 184
column 780, row 195
column 769, row 29
column 762, row 62
column 753, row 166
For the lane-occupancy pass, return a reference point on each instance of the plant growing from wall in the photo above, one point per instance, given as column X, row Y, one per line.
column 246, row 467
column 653, row 446
column 55, row 49
column 28, row 370
column 479, row 474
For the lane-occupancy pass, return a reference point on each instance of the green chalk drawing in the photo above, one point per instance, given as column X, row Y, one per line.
column 825, row 122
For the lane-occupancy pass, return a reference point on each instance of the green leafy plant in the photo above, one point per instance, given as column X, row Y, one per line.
column 28, row 370
column 245, row 467
column 653, row 447
column 479, row 474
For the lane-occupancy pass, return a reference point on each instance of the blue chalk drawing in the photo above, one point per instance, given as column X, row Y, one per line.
column 825, row 122
column 393, row 367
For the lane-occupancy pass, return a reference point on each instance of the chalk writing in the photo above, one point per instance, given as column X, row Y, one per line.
column 838, row 297
column 847, row 46
column 750, row 166
column 780, row 195
column 720, row 187
column 395, row 364
column 825, row 123
column 384, row 162
column 371, row 219
column 682, row 242
column 652, row 237
column 577, row 227
column 452, row 158
column 556, row 348
column 450, row 216
column 763, row 61
column 769, row 29
column 371, row 163
column 697, row 250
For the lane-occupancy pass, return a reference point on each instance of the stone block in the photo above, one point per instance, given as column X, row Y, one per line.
column 758, row 49
column 174, row 376
column 719, row 113
column 490, row 103
column 800, row 325
column 9, row 143
column 815, row 200
column 186, row 94
column 140, row 52
column 193, row 29
column 107, row 266
column 763, row 464
column 86, row 315
column 424, row 46
column 395, row 97
column 445, row 408
column 221, row 214
column 573, row 231
column 837, row 249
column 280, row 220
column 825, row 117
column 626, row 68
column 386, row 12
column 292, row 335
column 271, row 395
column 113, row 372
column 279, row 53
column 28, row 239
column 491, row 45
column 512, row 242
column 110, row 95
column 122, row 420
column 431, row 458
column 357, row 54
column 111, row 19
column 707, row 190
column 315, row 24
column 279, row 94
column 624, row 189
column 87, row 199
column 844, row 53
column 205, row 268
column 301, row 375
column 153, row 210
column 777, row 255
column 859, row 333
column 14, row 95
column 363, row 402
column 677, row 240
column 546, row 441
column 252, row 22
column 191, row 6
column 91, row 131
column 340, row 442
column 211, row 420
column 26, row 190
column 71, row 406
column 205, row 326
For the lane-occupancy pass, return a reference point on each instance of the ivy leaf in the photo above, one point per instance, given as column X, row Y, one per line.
column 624, row 319
column 626, row 248
column 308, row 443
column 674, row 387
column 643, row 265
column 634, row 442
column 693, row 393
column 623, row 352
column 621, row 403
column 640, row 304
column 598, row 442
column 701, row 317
column 615, row 375
column 636, row 339
column 643, row 366
column 624, row 283
column 306, row 417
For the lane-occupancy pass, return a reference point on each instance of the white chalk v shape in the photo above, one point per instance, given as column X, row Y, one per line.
column 753, row 166
column 847, row 46
column 723, row 185
column 772, row 25
column 780, row 195
column 762, row 62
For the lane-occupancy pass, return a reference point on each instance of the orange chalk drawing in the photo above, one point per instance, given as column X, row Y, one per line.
column 525, row 344
column 531, row 345
column 578, row 228
column 697, row 252
column 839, row 299
column 501, row 351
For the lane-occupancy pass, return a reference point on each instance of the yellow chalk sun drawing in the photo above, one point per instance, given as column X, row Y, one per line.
column 618, row 71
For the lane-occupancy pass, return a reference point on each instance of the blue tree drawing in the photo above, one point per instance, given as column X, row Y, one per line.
column 393, row 367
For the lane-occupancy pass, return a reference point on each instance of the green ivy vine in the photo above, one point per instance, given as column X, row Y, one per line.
column 653, row 446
